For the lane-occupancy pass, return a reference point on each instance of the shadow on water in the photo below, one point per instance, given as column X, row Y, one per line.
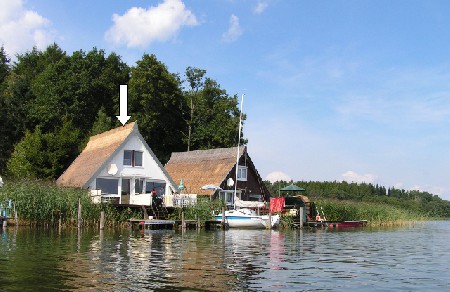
column 385, row 259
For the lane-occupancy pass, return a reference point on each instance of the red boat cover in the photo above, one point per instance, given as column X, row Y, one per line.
column 276, row 204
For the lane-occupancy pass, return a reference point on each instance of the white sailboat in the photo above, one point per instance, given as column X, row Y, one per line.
column 242, row 216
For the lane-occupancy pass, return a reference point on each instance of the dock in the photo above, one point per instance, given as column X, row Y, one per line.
column 142, row 224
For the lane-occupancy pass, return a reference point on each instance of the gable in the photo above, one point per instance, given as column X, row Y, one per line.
column 107, row 148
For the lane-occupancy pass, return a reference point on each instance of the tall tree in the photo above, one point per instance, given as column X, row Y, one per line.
column 157, row 103
column 213, row 119
column 194, row 78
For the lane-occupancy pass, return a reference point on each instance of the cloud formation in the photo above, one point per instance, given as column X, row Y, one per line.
column 234, row 30
column 21, row 29
column 260, row 6
column 278, row 176
column 351, row 176
column 139, row 27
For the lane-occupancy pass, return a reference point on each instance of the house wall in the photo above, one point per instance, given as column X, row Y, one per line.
column 251, row 186
column 149, row 170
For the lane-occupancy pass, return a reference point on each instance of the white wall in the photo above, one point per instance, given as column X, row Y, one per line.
column 150, row 170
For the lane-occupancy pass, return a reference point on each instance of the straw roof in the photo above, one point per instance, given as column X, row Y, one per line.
column 202, row 167
column 98, row 150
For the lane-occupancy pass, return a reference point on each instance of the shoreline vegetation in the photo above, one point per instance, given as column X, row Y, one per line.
column 42, row 203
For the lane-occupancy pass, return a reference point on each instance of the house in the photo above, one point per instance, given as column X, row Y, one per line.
column 119, row 166
column 213, row 173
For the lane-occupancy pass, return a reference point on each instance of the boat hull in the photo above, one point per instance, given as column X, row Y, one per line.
column 246, row 218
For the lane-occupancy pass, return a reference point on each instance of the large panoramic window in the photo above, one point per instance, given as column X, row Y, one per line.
column 242, row 173
column 132, row 158
column 159, row 187
column 108, row 186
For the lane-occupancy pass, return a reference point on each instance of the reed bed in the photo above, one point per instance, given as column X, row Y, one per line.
column 377, row 214
column 45, row 203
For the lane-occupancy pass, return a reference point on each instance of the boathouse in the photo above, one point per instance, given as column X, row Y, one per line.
column 119, row 166
column 213, row 173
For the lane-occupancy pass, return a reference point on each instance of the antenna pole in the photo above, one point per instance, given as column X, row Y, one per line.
column 239, row 142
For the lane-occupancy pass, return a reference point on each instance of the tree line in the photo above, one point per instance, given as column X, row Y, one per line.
column 422, row 202
column 52, row 102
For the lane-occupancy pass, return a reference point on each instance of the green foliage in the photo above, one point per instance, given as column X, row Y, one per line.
column 202, row 210
column 157, row 103
column 43, row 89
column 41, row 155
column 42, row 202
column 415, row 202
column 374, row 213
column 213, row 117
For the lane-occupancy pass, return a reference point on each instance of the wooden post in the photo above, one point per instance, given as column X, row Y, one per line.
column 79, row 213
column 223, row 217
column 183, row 224
column 102, row 220
column 16, row 222
column 301, row 216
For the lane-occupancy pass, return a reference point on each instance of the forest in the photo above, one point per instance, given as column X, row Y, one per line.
column 52, row 102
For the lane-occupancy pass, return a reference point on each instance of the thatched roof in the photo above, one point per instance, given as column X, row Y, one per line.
column 202, row 167
column 98, row 150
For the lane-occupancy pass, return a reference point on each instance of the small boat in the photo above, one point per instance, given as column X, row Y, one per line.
column 337, row 224
column 247, row 218
column 347, row 224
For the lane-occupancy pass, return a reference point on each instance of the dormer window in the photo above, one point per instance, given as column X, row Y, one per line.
column 242, row 173
column 132, row 158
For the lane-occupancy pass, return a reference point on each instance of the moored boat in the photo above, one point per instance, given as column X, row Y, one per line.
column 247, row 218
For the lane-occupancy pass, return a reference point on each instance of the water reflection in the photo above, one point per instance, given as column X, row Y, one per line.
column 408, row 258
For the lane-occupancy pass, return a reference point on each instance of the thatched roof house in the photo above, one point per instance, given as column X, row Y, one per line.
column 121, row 165
column 216, row 167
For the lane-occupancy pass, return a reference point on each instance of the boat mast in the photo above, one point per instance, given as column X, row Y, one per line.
column 239, row 142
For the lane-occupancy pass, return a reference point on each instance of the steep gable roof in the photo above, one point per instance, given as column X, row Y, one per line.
column 98, row 152
column 202, row 167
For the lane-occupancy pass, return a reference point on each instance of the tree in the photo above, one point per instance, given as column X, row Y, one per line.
column 157, row 103
column 40, row 155
column 213, row 119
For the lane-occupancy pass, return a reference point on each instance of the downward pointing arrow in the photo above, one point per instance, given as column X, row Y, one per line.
column 123, row 105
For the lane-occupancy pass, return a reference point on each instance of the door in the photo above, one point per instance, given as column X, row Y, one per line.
column 126, row 189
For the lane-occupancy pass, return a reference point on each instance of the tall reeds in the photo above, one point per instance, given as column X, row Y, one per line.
column 377, row 214
column 43, row 202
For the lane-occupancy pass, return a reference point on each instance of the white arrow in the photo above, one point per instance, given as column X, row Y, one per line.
column 123, row 105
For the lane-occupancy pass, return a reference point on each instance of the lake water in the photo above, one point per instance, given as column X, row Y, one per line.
column 411, row 258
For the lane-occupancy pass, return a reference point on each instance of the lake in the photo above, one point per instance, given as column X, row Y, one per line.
column 410, row 258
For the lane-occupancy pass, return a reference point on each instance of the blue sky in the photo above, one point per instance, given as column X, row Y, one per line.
column 334, row 90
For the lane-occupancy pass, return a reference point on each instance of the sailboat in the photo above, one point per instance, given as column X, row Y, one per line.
column 242, row 215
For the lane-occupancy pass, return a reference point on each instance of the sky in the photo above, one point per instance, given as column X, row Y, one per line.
column 350, row 90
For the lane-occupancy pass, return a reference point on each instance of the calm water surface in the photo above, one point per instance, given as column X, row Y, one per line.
column 412, row 258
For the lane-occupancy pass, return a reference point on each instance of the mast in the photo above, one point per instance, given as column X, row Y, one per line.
column 239, row 142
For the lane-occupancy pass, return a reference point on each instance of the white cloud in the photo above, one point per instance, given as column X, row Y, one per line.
column 21, row 29
column 234, row 30
column 351, row 176
column 139, row 27
column 278, row 176
column 260, row 7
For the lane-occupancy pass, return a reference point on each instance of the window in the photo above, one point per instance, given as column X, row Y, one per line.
column 159, row 187
column 242, row 173
column 132, row 158
column 107, row 186
column 126, row 186
column 139, row 186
